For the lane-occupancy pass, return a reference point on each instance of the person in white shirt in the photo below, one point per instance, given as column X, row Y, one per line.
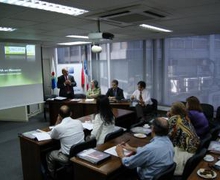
column 104, row 122
column 142, row 96
column 69, row 131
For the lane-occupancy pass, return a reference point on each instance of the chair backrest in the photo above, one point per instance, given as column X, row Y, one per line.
column 76, row 148
column 167, row 174
column 192, row 162
column 218, row 114
column 155, row 104
column 114, row 134
column 204, row 143
column 139, row 124
column 214, row 132
column 208, row 110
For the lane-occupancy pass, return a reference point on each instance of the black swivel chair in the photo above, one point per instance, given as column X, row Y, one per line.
column 208, row 110
column 216, row 121
column 214, row 132
column 204, row 143
column 65, row 171
column 114, row 134
column 167, row 174
column 191, row 164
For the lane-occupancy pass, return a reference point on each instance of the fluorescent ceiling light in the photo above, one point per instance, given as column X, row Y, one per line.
column 76, row 36
column 74, row 43
column 155, row 28
column 7, row 29
column 43, row 5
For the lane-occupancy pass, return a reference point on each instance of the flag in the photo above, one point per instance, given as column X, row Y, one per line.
column 84, row 76
column 53, row 75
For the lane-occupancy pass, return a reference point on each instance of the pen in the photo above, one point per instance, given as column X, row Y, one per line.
column 125, row 141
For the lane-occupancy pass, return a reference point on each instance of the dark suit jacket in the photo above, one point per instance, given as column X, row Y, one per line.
column 64, row 88
column 119, row 96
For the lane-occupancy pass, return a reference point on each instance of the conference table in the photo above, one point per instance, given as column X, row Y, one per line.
column 205, row 165
column 110, row 169
column 33, row 152
column 82, row 107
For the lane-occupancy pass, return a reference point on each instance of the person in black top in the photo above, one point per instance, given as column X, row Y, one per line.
column 66, row 83
column 115, row 93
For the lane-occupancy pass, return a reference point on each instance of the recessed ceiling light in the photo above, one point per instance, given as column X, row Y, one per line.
column 79, row 37
column 43, row 5
column 9, row 29
column 154, row 28
column 74, row 43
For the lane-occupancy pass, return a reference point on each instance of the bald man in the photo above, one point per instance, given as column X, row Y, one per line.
column 69, row 131
column 152, row 158
column 66, row 83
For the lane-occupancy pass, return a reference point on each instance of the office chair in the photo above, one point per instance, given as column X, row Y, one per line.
column 65, row 171
column 214, row 132
column 216, row 120
column 153, row 113
column 167, row 174
column 139, row 124
column 191, row 164
column 204, row 143
column 208, row 110
column 113, row 135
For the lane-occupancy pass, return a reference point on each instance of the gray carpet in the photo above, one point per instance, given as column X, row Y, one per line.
column 10, row 157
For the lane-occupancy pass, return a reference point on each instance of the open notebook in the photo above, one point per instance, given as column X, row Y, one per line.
column 37, row 134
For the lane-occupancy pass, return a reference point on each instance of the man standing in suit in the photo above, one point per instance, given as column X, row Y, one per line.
column 66, row 83
column 115, row 93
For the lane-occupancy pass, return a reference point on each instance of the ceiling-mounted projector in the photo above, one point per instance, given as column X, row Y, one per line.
column 100, row 35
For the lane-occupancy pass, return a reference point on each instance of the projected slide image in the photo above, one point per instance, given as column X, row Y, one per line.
column 13, row 52
column 19, row 65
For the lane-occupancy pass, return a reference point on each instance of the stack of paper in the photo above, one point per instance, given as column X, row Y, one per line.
column 112, row 151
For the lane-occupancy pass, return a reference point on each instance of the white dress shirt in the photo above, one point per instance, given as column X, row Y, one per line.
column 69, row 132
column 145, row 96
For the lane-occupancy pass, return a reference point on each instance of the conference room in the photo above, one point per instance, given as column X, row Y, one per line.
column 115, row 42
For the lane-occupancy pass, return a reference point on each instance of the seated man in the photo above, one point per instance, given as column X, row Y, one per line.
column 69, row 131
column 152, row 158
column 115, row 93
column 143, row 99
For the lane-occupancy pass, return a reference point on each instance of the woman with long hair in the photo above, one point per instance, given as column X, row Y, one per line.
column 182, row 134
column 104, row 122
column 197, row 116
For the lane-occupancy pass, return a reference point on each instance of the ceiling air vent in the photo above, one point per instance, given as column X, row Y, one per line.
column 154, row 14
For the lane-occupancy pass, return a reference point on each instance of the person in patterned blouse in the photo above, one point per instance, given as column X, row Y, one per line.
column 182, row 134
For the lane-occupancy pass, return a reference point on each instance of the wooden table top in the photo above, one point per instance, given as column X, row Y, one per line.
column 206, row 165
column 117, row 113
column 114, row 163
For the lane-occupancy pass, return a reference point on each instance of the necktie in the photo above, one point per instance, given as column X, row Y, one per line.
column 67, row 86
column 140, row 96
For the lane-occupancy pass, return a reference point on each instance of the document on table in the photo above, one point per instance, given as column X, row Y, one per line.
column 37, row 134
column 89, row 100
column 41, row 136
column 112, row 151
column 75, row 100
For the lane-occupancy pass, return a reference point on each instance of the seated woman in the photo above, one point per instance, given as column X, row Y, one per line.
column 182, row 134
column 104, row 122
column 197, row 116
column 94, row 91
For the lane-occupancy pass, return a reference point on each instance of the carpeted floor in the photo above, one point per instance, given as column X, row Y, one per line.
column 10, row 157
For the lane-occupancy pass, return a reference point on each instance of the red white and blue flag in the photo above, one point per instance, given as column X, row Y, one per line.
column 84, row 76
column 53, row 75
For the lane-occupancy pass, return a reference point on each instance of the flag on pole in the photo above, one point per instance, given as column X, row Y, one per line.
column 84, row 76
column 53, row 75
